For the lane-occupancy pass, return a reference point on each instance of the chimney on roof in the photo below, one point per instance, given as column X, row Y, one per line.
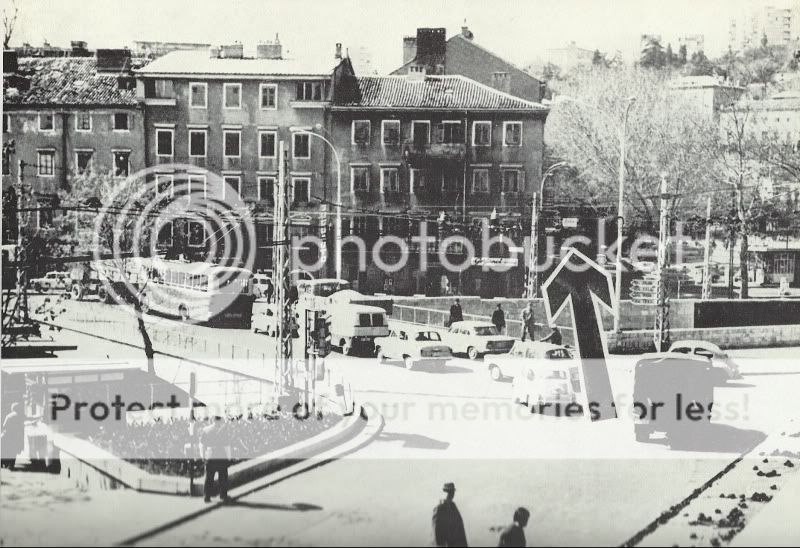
column 79, row 48
column 270, row 49
column 338, row 54
column 501, row 81
column 409, row 48
column 10, row 64
column 232, row 51
column 465, row 32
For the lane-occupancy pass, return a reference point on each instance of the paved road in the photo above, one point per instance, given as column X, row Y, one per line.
column 457, row 425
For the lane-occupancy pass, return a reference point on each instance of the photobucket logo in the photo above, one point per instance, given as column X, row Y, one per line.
column 490, row 251
column 177, row 239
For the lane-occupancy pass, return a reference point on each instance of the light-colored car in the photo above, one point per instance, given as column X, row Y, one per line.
column 415, row 345
column 717, row 357
column 265, row 318
column 52, row 281
column 476, row 339
column 524, row 353
column 261, row 282
column 544, row 381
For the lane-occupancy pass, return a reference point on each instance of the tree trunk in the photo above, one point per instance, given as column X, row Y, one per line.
column 148, row 344
column 744, row 260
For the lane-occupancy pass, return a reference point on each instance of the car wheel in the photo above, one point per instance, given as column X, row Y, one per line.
column 495, row 373
column 183, row 312
column 346, row 348
column 379, row 355
column 77, row 292
column 38, row 288
column 472, row 353
column 408, row 361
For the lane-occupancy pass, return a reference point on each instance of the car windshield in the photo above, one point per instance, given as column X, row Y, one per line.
column 559, row 354
column 428, row 336
column 485, row 330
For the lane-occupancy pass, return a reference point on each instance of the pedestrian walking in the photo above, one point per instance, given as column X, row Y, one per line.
column 215, row 448
column 269, row 291
column 12, row 438
column 555, row 335
column 499, row 319
column 456, row 314
column 514, row 534
column 528, row 322
column 448, row 527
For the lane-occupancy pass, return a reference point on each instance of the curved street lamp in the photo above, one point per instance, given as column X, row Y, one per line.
column 338, row 227
column 621, row 202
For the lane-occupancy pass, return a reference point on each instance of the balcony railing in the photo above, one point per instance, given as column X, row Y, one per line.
column 421, row 154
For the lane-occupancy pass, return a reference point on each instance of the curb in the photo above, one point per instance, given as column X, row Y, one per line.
column 371, row 430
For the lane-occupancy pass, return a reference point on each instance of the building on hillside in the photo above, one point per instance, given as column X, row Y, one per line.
column 569, row 56
column 709, row 93
column 695, row 43
column 66, row 116
column 749, row 26
column 441, row 153
column 430, row 52
column 218, row 115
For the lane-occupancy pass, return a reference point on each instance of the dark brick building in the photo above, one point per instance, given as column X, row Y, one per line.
column 441, row 149
column 430, row 52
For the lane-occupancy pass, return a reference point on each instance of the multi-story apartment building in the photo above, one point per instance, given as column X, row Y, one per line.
column 67, row 115
column 429, row 52
column 217, row 115
column 441, row 151
column 750, row 25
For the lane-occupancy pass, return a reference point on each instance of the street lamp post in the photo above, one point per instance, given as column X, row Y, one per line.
column 532, row 287
column 621, row 202
column 338, row 227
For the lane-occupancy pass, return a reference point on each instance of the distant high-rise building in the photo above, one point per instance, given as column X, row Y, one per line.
column 749, row 26
column 694, row 43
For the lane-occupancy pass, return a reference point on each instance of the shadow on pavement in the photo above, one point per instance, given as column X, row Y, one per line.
column 295, row 507
column 712, row 438
column 415, row 441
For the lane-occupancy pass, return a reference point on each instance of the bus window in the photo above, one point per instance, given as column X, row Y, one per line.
column 377, row 320
column 363, row 320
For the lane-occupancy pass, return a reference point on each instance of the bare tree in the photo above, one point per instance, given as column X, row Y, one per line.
column 9, row 22
column 665, row 135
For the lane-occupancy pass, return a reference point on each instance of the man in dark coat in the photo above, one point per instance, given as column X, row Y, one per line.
column 528, row 322
column 514, row 534
column 456, row 314
column 215, row 448
column 13, row 436
column 555, row 335
column 448, row 527
column 499, row 319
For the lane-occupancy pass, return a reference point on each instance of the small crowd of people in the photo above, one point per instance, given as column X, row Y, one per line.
column 527, row 319
column 208, row 445
column 448, row 525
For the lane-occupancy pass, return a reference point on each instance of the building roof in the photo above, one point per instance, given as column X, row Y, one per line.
column 65, row 81
column 452, row 92
column 687, row 82
column 188, row 63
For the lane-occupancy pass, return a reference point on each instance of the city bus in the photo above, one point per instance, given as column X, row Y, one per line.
column 197, row 291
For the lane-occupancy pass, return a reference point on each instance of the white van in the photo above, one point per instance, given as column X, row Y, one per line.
column 356, row 326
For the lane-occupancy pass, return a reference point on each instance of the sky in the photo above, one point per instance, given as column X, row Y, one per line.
column 519, row 30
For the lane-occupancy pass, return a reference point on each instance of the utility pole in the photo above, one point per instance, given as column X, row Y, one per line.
column 22, row 282
column 532, row 282
column 661, row 331
column 707, row 258
column 282, row 277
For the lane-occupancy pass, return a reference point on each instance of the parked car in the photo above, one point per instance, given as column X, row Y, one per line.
column 524, row 353
column 52, row 281
column 544, row 381
column 476, row 339
column 415, row 345
column 712, row 352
